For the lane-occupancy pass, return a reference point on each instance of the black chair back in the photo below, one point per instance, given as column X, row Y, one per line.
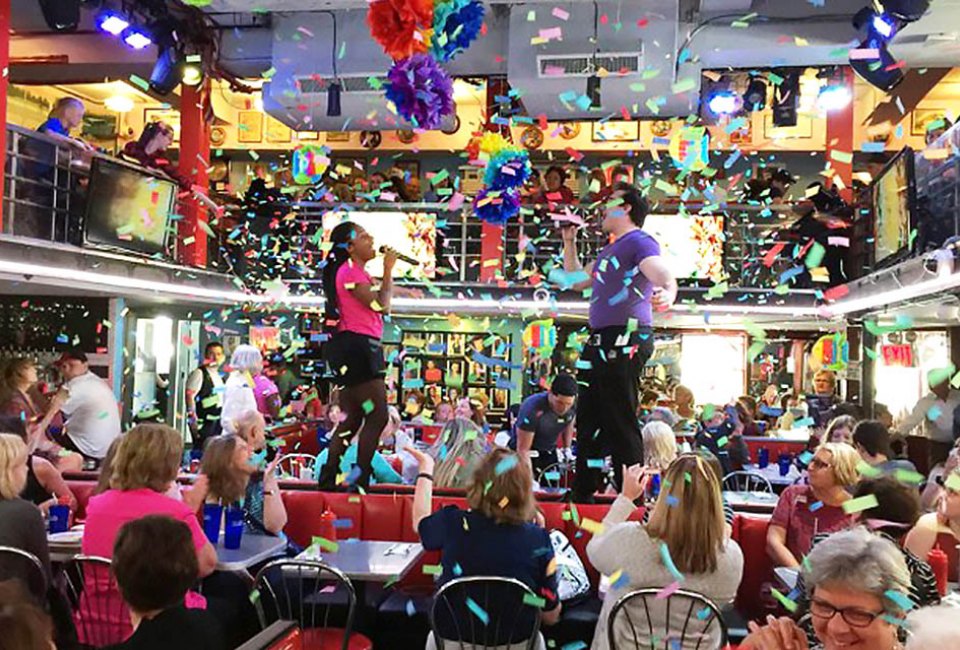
column 746, row 482
column 684, row 620
column 310, row 592
column 25, row 567
column 101, row 616
column 484, row 612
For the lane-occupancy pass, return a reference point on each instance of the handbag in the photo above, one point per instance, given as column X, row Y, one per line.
column 573, row 583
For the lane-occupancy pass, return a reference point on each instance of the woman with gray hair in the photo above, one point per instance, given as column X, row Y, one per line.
column 246, row 388
column 858, row 586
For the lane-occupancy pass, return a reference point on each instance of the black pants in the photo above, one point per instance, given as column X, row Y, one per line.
column 607, row 408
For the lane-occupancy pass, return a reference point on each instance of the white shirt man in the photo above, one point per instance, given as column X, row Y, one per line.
column 935, row 413
column 90, row 407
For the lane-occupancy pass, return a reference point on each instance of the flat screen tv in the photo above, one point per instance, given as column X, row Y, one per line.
column 410, row 233
column 893, row 194
column 128, row 208
column 692, row 246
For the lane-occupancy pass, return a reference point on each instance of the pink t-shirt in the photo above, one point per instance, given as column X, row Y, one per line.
column 263, row 388
column 106, row 514
column 354, row 315
column 803, row 516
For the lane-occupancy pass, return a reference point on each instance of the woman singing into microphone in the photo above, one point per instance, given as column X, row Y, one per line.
column 354, row 313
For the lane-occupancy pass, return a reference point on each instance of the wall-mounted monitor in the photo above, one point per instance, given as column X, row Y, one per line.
column 410, row 233
column 692, row 246
column 128, row 207
column 893, row 194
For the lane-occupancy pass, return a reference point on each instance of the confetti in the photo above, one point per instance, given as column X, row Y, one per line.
column 860, row 504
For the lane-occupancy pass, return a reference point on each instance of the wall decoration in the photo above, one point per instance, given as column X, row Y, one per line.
column 742, row 136
column 218, row 135
column 531, row 138
column 250, row 127
column 305, row 136
column 921, row 117
column 661, row 128
column 166, row 115
column 406, row 136
column 450, row 130
column 615, row 131
column 277, row 131
column 569, row 130
column 338, row 136
column 370, row 139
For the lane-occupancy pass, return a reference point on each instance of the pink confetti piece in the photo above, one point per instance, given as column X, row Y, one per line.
column 560, row 13
column 668, row 591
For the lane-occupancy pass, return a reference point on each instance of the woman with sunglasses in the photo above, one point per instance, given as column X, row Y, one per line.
column 941, row 527
column 806, row 510
column 857, row 584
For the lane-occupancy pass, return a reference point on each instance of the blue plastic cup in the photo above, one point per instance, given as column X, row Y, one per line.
column 655, row 486
column 59, row 518
column 233, row 528
column 212, row 514
column 785, row 460
column 763, row 457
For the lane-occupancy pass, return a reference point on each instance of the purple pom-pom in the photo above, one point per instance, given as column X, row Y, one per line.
column 496, row 207
column 421, row 90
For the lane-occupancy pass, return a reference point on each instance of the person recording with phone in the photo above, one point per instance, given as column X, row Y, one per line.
column 354, row 315
column 628, row 281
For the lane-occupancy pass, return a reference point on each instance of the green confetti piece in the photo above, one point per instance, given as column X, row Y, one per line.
column 432, row 569
column 254, row 596
column 140, row 82
column 534, row 601
column 868, row 470
column 941, row 375
column 722, row 442
column 367, row 406
column 325, row 544
column 953, row 482
column 787, row 603
column 909, row 476
column 860, row 504
column 815, row 255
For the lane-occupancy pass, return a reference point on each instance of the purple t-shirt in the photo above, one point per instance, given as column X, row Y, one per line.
column 620, row 290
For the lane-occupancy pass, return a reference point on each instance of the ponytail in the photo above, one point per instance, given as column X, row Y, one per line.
column 340, row 237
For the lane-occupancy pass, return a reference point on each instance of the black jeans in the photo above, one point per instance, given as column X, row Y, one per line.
column 607, row 406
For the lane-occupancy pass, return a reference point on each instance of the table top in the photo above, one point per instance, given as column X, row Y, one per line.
column 759, row 500
column 253, row 550
column 772, row 473
column 368, row 561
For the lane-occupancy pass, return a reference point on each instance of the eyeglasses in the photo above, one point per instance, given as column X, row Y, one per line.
column 853, row 616
column 819, row 464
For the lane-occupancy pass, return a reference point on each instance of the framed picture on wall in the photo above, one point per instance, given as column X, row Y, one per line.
column 305, row 136
column 338, row 136
column 165, row 115
column 615, row 131
column 249, row 126
column 921, row 117
column 277, row 131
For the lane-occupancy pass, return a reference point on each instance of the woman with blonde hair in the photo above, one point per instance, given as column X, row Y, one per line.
column 804, row 511
column 659, row 445
column 496, row 536
column 458, row 451
column 687, row 525
column 229, row 468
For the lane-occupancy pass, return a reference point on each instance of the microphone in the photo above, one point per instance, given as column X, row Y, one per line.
column 400, row 256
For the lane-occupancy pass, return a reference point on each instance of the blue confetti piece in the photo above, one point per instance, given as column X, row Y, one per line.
column 457, row 570
column 478, row 611
column 411, row 608
column 595, row 463
column 703, row 614
column 619, row 297
column 816, row 506
column 668, row 562
column 505, row 465
column 901, row 600
column 343, row 523
column 672, row 500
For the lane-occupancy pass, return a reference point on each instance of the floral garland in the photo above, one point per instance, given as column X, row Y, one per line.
column 508, row 168
column 418, row 35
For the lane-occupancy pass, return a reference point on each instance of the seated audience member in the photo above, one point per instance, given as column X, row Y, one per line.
column 90, row 407
column 933, row 490
column 22, row 524
column 25, row 626
column 381, row 471
column 688, row 518
column 18, row 381
column 797, row 517
column 496, row 536
column 146, row 463
column 663, row 414
column 840, row 429
column 154, row 579
column 443, row 413
column 856, row 583
column 413, row 405
column 45, row 485
column 251, row 426
column 683, row 403
column 933, row 628
column 943, row 523
column 458, row 451
column 747, row 412
column 721, row 434
column 659, row 445
column 230, row 469
column 872, row 440
column 556, row 192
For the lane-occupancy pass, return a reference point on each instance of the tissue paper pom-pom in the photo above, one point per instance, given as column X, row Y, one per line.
column 495, row 206
column 395, row 23
column 456, row 24
column 507, row 168
column 492, row 142
column 420, row 90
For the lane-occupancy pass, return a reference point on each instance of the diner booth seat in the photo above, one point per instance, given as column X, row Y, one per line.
column 402, row 611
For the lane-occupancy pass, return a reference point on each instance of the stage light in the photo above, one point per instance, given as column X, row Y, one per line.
column 593, row 91
column 112, row 23
column 883, row 25
column 882, row 71
column 333, row 100
column 167, row 71
column 192, row 74
column 724, row 102
column 61, row 15
column 136, row 38
column 786, row 96
column 119, row 103
column 755, row 97
column 833, row 98
column 906, row 10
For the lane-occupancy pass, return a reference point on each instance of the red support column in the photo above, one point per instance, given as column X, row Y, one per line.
column 491, row 236
column 840, row 138
column 194, row 161
column 4, row 76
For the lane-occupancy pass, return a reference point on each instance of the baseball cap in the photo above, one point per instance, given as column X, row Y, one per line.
column 72, row 354
column 564, row 384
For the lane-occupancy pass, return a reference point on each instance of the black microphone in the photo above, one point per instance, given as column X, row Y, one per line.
column 400, row 256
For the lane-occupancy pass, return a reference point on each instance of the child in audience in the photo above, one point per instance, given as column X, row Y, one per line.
column 25, row 626
column 155, row 565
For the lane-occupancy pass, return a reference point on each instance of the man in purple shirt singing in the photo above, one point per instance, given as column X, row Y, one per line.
column 628, row 280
